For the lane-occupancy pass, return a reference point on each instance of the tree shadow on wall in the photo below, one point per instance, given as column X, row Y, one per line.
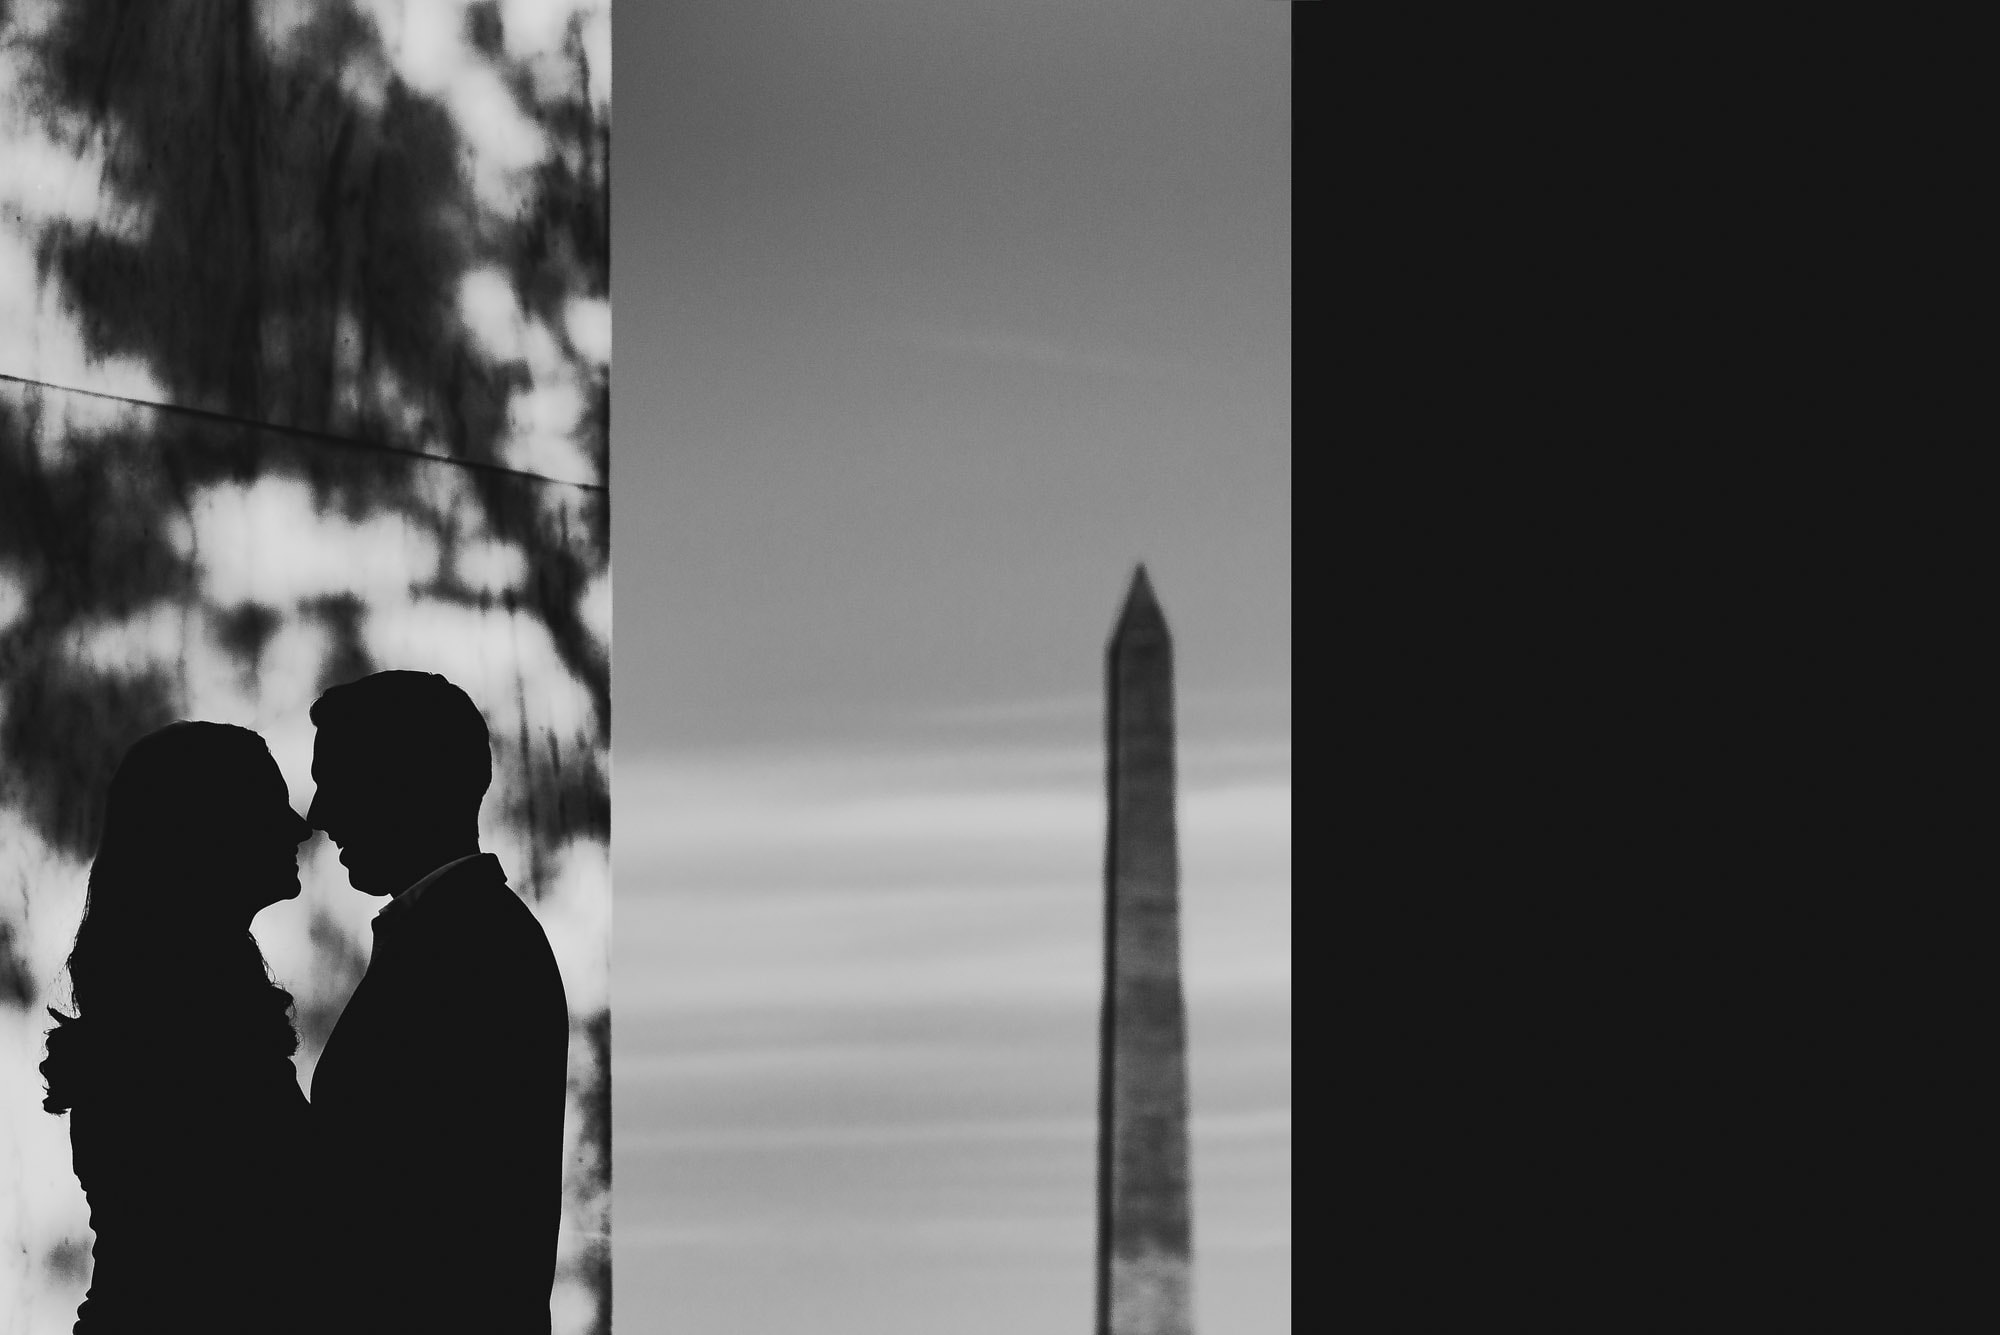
column 307, row 229
column 300, row 264
column 300, row 224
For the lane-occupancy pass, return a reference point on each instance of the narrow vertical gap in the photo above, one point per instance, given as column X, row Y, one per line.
column 1108, row 1016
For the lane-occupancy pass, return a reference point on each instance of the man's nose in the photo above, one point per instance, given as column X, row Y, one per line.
column 316, row 813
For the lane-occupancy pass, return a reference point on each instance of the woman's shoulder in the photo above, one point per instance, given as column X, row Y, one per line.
column 161, row 1066
column 89, row 1061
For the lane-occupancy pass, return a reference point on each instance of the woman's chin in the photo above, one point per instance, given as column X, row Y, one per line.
column 284, row 892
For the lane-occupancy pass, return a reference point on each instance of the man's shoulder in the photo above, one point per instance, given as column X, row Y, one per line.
column 474, row 892
column 473, row 905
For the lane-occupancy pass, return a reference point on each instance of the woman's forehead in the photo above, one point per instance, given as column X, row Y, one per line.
column 260, row 775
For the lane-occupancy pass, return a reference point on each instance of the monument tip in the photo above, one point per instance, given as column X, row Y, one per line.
column 1141, row 606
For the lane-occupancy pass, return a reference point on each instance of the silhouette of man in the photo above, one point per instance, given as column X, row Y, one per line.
column 439, row 1096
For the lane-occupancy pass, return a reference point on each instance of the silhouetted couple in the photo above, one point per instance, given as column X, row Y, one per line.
column 420, row 1190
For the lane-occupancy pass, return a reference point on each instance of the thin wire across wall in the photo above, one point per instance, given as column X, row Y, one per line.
column 307, row 433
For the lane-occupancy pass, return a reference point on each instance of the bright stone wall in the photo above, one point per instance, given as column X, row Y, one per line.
column 297, row 225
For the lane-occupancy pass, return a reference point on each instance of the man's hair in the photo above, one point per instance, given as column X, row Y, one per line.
column 426, row 731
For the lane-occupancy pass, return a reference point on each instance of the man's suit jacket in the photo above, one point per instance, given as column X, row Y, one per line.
column 439, row 1101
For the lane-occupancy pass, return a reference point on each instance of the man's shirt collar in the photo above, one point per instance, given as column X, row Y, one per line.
column 407, row 900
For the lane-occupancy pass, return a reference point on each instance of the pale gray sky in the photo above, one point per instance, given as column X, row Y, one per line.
column 931, row 320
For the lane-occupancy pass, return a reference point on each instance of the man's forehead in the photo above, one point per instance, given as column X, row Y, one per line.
column 334, row 746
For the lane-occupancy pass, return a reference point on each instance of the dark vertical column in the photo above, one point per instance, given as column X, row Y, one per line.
column 1144, row 1242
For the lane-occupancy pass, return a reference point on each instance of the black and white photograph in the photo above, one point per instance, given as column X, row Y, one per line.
column 892, row 935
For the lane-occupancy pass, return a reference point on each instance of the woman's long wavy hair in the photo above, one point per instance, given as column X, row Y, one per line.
column 161, row 957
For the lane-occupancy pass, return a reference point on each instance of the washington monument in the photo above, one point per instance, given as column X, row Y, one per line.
column 1144, row 1242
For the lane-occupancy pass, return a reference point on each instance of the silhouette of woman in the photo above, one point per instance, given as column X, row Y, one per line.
column 187, row 1126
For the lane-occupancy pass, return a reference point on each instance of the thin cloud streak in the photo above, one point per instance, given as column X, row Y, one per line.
column 1014, row 347
column 1087, row 708
column 842, row 801
column 1253, row 1124
column 1059, row 1235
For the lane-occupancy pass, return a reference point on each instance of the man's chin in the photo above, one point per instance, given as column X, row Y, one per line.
column 363, row 880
